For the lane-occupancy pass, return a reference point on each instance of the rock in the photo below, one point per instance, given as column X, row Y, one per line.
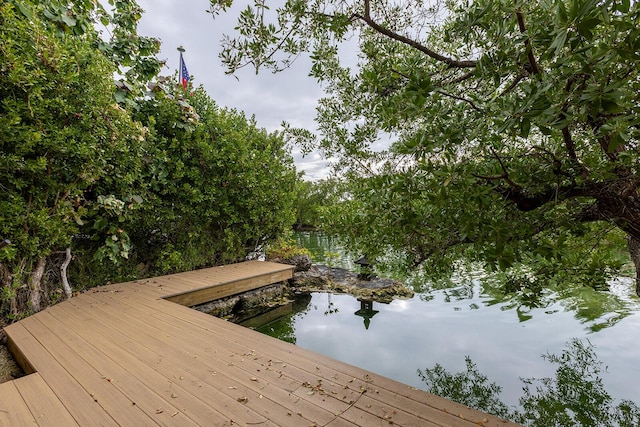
column 238, row 307
column 302, row 262
column 339, row 280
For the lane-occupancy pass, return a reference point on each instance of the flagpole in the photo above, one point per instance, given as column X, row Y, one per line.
column 181, row 50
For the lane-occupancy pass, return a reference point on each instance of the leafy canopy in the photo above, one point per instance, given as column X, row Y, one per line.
column 219, row 186
column 64, row 138
column 512, row 127
column 133, row 55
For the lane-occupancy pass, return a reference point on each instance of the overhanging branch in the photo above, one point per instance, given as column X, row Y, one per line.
column 504, row 176
column 460, row 98
column 414, row 44
column 535, row 69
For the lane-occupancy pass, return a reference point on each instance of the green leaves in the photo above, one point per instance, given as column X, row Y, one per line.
column 24, row 9
column 219, row 186
column 474, row 162
column 65, row 142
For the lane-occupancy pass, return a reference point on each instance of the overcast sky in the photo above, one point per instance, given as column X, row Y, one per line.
column 289, row 96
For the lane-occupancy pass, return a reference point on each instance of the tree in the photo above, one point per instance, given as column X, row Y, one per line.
column 515, row 124
column 64, row 142
column 219, row 186
column 133, row 55
column 127, row 185
column 312, row 199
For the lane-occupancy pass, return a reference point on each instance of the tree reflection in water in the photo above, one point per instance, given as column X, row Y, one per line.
column 575, row 397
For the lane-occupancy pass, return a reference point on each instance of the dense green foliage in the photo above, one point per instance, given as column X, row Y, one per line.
column 575, row 397
column 219, row 186
column 312, row 200
column 119, row 186
column 133, row 55
column 513, row 126
column 63, row 137
column 284, row 249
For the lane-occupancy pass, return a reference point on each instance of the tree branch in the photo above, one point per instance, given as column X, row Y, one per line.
column 514, row 83
column 35, row 284
column 505, row 173
column 398, row 37
column 63, row 274
column 527, row 43
column 528, row 202
column 552, row 159
column 459, row 98
column 465, row 76
column 566, row 133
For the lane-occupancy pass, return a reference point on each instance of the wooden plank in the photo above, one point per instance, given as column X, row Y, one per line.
column 232, row 379
column 340, row 422
column 388, row 394
column 322, row 396
column 118, row 374
column 89, row 399
column 220, row 365
column 212, row 293
column 98, row 386
column 185, row 394
column 115, row 354
column 82, row 406
column 207, row 277
column 199, row 286
column 405, row 398
column 345, row 391
column 44, row 405
column 18, row 355
column 13, row 409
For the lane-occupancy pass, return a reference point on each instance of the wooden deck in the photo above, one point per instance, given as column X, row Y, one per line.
column 129, row 355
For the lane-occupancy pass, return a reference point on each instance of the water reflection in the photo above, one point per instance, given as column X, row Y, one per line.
column 470, row 314
column 326, row 250
column 283, row 326
column 366, row 311
column 331, row 308
column 574, row 396
column 409, row 335
column 515, row 292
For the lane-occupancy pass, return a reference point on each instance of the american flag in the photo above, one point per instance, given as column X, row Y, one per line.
column 184, row 73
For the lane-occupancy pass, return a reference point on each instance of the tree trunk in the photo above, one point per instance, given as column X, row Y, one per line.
column 634, row 251
column 63, row 274
column 35, row 284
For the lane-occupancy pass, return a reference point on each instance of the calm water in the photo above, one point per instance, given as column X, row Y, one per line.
column 443, row 326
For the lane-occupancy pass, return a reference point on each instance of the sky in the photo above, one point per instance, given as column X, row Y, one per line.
column 289, row 96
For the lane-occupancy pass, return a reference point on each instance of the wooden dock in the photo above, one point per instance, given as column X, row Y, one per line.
column 131, row 355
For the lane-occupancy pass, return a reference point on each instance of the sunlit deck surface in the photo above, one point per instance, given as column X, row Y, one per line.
column 131, row 355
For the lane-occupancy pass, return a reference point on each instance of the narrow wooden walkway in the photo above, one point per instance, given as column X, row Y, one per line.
column 129, row 355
